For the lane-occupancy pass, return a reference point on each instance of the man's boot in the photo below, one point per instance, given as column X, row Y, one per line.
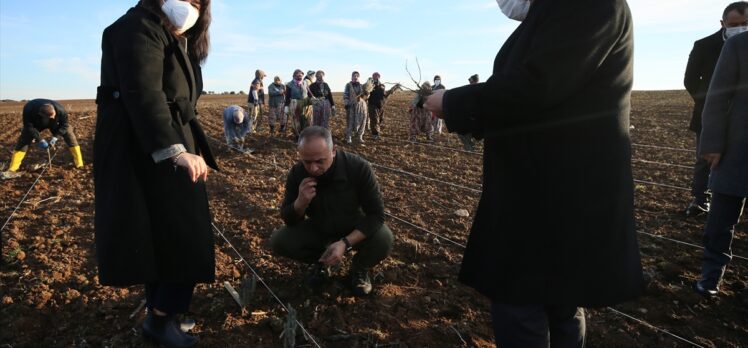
column 77, row 156
column 318, row 275
column 166, row 331
column 15, row 160
column 360, row 281
column 699, row 206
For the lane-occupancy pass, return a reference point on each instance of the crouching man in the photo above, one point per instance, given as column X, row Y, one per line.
column 236, row 126
column 38, row 115
column 332, row 208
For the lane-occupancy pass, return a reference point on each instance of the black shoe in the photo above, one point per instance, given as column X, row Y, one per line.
column 166, row 332
column 705, row 290
column 697, row 208
column 360, row 282
column 318, row 275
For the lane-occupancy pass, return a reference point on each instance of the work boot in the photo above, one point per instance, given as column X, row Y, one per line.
column 697, row 207
column 77, row 156
column 360, row 281
column 166, row 331
column 318, row 275
column 703, row 288
column 15, row 161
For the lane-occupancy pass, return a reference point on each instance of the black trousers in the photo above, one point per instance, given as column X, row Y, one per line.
column 26, row 138
column 720, row 227
column 700, row 182
column 169, row 298
column 303, row 243
column 535, row 326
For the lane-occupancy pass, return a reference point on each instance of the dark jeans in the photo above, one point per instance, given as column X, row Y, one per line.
column 535, row 326
column 169, row 298
column 700, row 183
column 720, row 227
column 26, row 138
column 303, row 243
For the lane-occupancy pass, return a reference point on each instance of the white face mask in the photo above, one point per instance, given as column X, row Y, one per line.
column 437, row 82
column 730, row 32
column 515, row 9
column 181, row 13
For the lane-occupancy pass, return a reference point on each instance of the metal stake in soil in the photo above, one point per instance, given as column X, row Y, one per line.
column 289, row 329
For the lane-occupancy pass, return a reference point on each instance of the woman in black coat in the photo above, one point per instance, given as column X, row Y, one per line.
column 153, row 224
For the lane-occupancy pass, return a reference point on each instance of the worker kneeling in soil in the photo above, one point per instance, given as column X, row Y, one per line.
column 236, row 126
column 332, row 206
column 38, row 115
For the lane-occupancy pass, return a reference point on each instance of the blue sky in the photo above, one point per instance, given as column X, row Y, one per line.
column 51, row 48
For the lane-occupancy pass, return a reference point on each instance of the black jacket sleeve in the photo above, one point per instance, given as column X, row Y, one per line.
column 724, row 85
column 140, row 51
column 62, row 121
column 29, row 113
column 371, row 202
column 564, row 55
column 693, row 73
column 288, row 95
column 288, row 213
column 329, row 94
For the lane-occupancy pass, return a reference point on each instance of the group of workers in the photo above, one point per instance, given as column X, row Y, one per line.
column 308, row 100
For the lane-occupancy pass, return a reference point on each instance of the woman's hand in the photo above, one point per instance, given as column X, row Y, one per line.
column 195, row 165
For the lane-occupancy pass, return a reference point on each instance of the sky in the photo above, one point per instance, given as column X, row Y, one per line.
column 52, row 49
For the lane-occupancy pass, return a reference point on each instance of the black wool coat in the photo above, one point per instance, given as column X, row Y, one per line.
column 555, row 222
column 699, row 71
column 152, row 222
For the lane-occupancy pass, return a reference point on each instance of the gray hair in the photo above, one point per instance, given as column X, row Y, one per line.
column 315, row 132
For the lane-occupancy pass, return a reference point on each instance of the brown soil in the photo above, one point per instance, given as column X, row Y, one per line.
column 50, row 295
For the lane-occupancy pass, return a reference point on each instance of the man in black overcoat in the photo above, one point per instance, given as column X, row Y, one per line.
column 699, row 70
column 554, row 230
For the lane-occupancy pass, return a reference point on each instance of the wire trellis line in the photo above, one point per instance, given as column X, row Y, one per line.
column 685, row 243
column 262, row 281
column 10, row 217
column 662, row 185
column 654, row 327
column 662, row 163
column 425, row 230
column 374, row 164
column 663, row 147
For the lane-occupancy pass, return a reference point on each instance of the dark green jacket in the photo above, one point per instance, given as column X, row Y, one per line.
column 348, row 199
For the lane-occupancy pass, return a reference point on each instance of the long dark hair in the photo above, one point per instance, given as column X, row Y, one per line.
column 198, row 38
